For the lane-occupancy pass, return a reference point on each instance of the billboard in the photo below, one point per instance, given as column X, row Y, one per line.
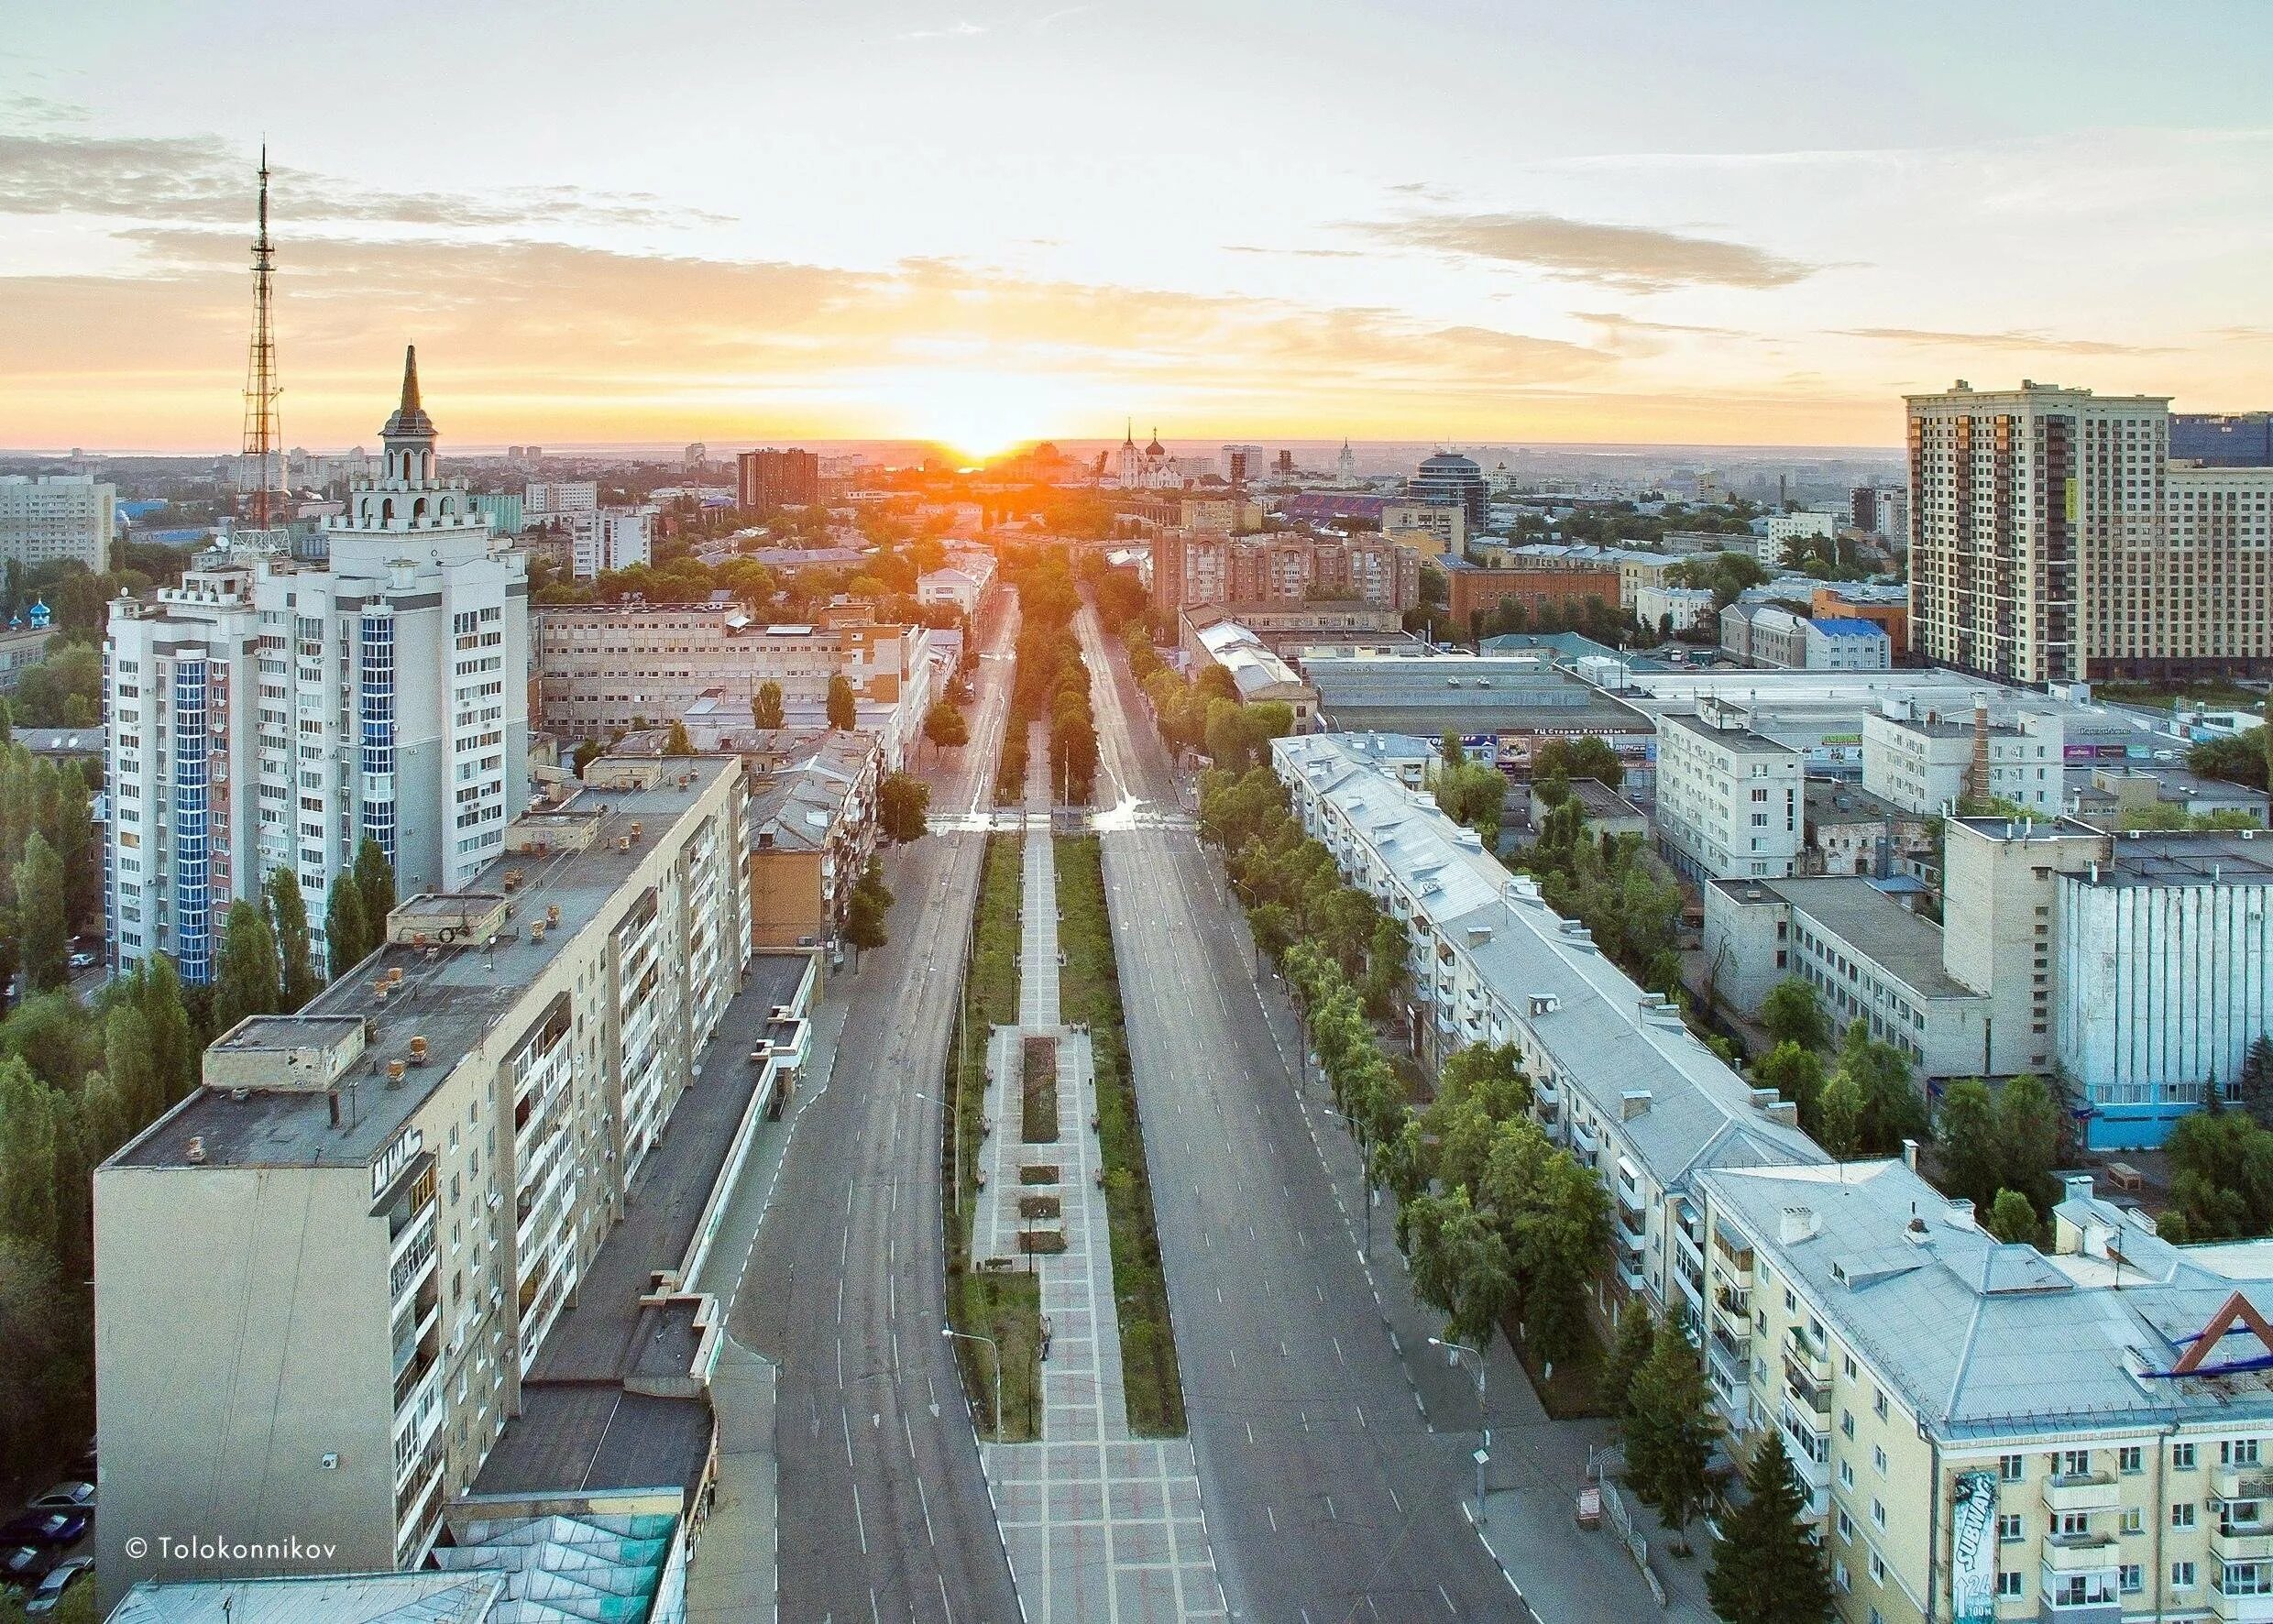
column 1973, row 1549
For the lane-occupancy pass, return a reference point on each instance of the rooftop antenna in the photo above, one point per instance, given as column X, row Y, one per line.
column 263, row 440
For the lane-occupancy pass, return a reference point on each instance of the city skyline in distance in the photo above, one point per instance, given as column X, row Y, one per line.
column 1028, row 223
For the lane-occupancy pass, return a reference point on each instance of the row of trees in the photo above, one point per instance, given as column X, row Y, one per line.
column 51, row 864
column 1050, row 682
column 1206, row 713
column 1856, row 1100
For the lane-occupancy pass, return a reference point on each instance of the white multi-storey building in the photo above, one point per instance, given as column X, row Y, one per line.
column 267, row 716
column 370, row 1214
column 57, row 519
column 603, row 539
column 1729, row 799
column 1925, row 763
column 546, row 497
column 1784, row 528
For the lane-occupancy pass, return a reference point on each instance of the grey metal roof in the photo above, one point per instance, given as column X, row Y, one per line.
column 1987, row 1340
column 1897, row 941
column 327, row 1598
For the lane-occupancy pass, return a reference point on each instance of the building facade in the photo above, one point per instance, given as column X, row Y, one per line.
column 58, row 519
column 1925, row 763
column 266, row 716
column 1728, row 799
column 1986, row 1431
column 1456, row 481
column 1837, row 644
column 2056, row 539
column 1471, row 592
column 770, row 478
column 1280, row 569
column 373, row 1210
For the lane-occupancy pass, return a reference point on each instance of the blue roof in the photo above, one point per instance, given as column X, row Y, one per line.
column 1850, row 628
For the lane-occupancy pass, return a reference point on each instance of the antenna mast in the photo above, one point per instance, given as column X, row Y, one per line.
column 263, row 440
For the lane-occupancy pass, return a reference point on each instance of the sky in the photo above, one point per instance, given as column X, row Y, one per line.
column 987, row 221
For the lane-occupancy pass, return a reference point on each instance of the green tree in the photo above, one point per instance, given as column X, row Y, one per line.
column 1791, row 1013
column 2012, row 1217
column 1450, row 751
column 247, row 979
column 175, row 1059
column 2256, row 1079
column 288, row 919
column 346, row 933
column 864, row 914
column 1670, row 1430
column 1892, row 1110
column 944, row 726
column 27, row 1157
column 679, row 743
column 843, row 714
column 1795, row 1074
column 1636, row 1340
column 901, row 802
column 375, row 877
column 130, row 1063
column 765, row 707
column 1841, row 1116
column 585, row 753
column 2028, row 1128
column 35, row 1337
column 1966, row 1144
column 1768, row 1568
column 40, row 925
column 53, row 1034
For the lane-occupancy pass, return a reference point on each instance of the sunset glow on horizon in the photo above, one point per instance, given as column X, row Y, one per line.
column 888, row 221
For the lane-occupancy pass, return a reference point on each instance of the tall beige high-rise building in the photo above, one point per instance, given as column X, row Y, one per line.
column 2054, row 538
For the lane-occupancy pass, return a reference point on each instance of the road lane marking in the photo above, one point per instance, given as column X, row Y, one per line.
column 862, row 1522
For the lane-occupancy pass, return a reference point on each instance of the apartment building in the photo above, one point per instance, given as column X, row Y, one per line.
column 1618, row 1079
column 1285, row 569
column 323, row 1275
column 603, row 668
column 771, row 479
column 2055, row 538
column 1439, row 530
column 268, row 714
column 23, row 644
column 812, row 825
column 1883, row 512
column 1674, row 609
column 603, row 539
column 58, row 519
column 551, row 499
column 1924, row 762
column 1728, row 798
column 1988, row 1432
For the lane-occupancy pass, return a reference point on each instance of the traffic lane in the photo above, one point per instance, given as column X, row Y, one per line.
column 1332, row 1491
column 872, row 1427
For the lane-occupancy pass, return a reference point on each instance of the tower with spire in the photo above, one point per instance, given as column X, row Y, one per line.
column 261, row 473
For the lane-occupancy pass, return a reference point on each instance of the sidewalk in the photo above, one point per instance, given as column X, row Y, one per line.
column 736, row 1571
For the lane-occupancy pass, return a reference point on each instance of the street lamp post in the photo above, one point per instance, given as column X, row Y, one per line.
column 996, row 1348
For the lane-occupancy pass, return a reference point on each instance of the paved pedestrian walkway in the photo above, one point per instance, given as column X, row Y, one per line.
column 1099, row 1526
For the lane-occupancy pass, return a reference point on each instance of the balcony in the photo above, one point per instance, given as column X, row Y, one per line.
column 2247, row 1480
column 413, row 1256
column 2081, row 1491
column 1584, row 1139
column 2235, row 1609
column 1630, row 1273
column 2079, row 1554
column 1733, row 1262
column 2241, row 1541
column 1803, row 1389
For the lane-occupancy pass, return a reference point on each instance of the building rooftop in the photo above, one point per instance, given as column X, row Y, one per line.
column 325, row 1598
column 1852, row 908
column 1986, row 1339
column 1848, row 627
column 800, row 801
column 1618, row 1046
column 1427, row 692
column 2152, row 858
column 446, row 1002
column 582, row 1436
column 1835, row 801
column 1739, row 739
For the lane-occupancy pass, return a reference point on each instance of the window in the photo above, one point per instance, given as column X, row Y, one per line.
column 2181, row 1576
column 2181, row 1457
column 2075, row 1463
column 2134, row 1520
column 1878, row 1403
column 2009, row 1528
column 1878, row 1568
column 2012, row 1584
column 1846, row 1474
column 2237, row 1452
column 2009, row 1467
column 1878, row 1458
column 2131, row 1578
column 2183, row 1514
column 1846, row 1525
column 2129, row 1458
column 1878, row 1512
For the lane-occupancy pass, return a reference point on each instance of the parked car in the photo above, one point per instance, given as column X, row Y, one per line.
column 59, row 1579
column 72, row 1495
column 43, row 1527
column 84, row 960
column 23, row 1565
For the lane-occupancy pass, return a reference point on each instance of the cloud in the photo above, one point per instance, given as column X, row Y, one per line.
column 1298, row 253
column 1629, row 257
column 1614, row 322
column 542, row 338
column 203, row 179
column 1926, row 338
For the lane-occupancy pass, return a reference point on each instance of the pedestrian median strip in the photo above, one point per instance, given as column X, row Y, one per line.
column 1099, row 1509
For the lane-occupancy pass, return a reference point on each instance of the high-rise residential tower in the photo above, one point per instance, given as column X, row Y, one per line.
column 267, row 715
column 2054, row 536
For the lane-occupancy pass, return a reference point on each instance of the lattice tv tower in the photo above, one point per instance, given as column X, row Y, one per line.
column 264, row 442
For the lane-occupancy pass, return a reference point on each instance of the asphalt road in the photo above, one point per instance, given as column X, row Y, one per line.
column 883, row 1508
column 1328, row 1495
